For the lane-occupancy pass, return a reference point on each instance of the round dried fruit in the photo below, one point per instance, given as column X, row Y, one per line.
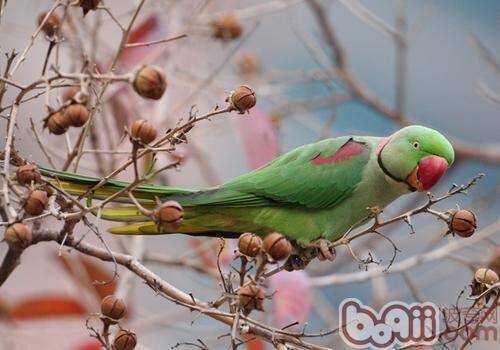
column 486, row 276
column 227, row 27
column 277, row 246
column 56, row 123
column 251, row 297
column 463, row 223
column 113, row 308
column 143, row 130
column 150, row 82
column 36, row 203
column 249, row 244
column 28, row 174
column 243, row 98
column 248, row 63
column 76, row 115
column 169, row 214
column 125, row 340
column 51, row 25
column 18, row 236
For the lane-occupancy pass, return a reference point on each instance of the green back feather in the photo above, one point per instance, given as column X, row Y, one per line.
column 292, row 180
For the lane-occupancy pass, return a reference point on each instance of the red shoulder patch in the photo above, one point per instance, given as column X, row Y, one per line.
column 350, row 149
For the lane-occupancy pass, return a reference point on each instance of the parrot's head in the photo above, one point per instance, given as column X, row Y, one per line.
column 416, row 155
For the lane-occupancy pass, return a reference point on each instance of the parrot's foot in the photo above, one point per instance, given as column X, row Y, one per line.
column 302, row 256
column 324, row 249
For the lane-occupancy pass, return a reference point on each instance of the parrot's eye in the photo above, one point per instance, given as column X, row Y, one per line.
column 415, row 145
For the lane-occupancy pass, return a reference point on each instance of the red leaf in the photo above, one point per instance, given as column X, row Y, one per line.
column 92, row 344
column 260, row 140
column 141, row 32
column 93, row 270
column 4, row 307
column 254, row 344
column 293, row 299
column 46, row 306
column 148, row 30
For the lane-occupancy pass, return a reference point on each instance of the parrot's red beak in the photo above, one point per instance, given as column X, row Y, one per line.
column 428, row 171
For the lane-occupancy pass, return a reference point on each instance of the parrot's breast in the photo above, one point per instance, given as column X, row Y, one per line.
column 376, row 189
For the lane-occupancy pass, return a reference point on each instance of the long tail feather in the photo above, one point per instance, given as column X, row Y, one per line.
column 150, row 228
column 79, row 185
column 202, row 209
column 141, row 228
column 124, row 214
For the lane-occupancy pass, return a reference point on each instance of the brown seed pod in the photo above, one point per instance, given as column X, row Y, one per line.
column 56, row 123
column 125, row 340
column 249, row 244
column 36, row 203
column 248, row 63
column 144, row 131
column 485, row 276
column 463, row 223
column 150, row 82
column 251, row 297
column 277, row 246
column 227, row 27
column 76, row 115
column 242, row 98
column 28, row 174
column 169, row 215
column 113, row 308
column 18, row 236
column 88, row 5
column 51, row 25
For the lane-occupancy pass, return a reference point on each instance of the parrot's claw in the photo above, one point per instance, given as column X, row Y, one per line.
column 324, row 249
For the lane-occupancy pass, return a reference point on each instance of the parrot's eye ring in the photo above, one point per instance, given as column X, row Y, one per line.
column 415, row 145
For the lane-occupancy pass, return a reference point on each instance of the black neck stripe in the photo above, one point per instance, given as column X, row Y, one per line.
column 387, row 172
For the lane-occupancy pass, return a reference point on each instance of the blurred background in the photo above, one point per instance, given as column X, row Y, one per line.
column 446, row 77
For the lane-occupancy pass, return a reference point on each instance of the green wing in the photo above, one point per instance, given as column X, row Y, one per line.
column 295, row 180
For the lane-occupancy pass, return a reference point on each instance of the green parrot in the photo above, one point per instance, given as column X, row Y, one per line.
column 316, row 191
